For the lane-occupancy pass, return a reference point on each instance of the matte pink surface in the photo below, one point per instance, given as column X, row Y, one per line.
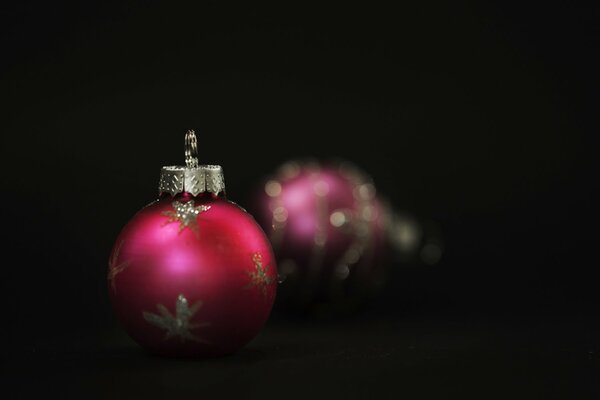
column 214, row 266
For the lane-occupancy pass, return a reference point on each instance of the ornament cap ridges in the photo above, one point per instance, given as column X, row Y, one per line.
column 191, row 178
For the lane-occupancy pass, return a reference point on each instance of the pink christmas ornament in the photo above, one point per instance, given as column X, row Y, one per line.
column 192, row 274
column 327, row 229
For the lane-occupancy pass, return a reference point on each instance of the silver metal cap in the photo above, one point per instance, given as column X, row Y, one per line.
column 191, row 178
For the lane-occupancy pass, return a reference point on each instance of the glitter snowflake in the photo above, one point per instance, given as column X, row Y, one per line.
column 178, row 325
column 114, row 267
column 186, row 214
column 259, row 277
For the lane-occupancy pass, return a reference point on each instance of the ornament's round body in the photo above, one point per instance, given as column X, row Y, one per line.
column 327, row 229
column 192, row 276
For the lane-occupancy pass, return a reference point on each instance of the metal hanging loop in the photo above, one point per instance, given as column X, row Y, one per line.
column 191, row 149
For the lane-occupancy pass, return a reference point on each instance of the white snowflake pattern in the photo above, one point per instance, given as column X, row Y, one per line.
column 180, row 324
column 186, row 214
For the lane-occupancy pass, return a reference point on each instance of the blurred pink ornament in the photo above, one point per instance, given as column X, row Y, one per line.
column 327, row 227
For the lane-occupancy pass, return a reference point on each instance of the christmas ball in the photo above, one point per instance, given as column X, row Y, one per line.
column 327, row 226
column 192, row 274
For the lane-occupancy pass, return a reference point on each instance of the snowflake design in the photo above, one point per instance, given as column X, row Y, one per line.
column 178, row 325
column 186, row 214
column 114, row 267
column 259, row 277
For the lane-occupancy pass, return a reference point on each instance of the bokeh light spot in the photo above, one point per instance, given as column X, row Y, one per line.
column 273, row 188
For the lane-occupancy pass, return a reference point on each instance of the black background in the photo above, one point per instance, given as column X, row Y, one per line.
column 476, row 116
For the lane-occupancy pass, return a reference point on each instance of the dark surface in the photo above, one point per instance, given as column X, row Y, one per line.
column 477, row 117
column 441, row 357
